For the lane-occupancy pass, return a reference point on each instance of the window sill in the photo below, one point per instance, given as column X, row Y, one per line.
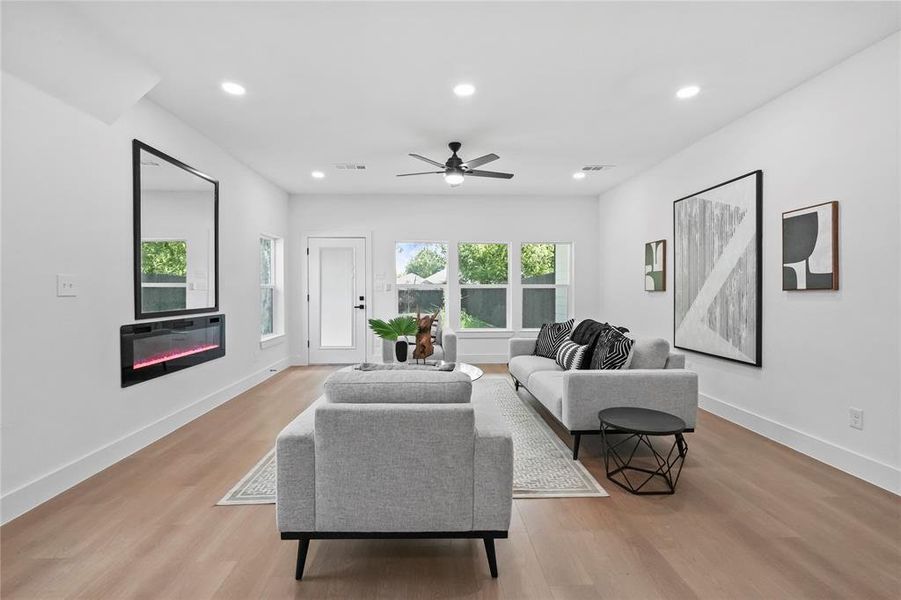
column 272, row 340
column 484, row 333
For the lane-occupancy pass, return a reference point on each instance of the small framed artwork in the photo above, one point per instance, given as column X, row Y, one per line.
column 810, row 248
column 655, row 266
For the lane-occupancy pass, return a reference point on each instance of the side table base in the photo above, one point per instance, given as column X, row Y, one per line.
column 669, row 466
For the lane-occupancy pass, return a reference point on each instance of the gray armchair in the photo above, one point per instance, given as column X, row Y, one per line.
column 395, row 454
column 445, row 347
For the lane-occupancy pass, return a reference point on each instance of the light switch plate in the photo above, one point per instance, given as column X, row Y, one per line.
column 66, row 286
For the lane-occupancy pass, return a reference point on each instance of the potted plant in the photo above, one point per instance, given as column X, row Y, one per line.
column 396, row 331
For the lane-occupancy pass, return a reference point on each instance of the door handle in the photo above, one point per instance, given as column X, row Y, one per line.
column 360, row 306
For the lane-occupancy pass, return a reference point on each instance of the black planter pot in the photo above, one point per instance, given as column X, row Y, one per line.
column 400, row 350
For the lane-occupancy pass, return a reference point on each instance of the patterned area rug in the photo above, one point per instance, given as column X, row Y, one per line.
column 542, row 464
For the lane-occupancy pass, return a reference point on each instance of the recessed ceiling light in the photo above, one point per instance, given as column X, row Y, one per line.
column 579, row 175
column 235, row 89
column 464, row 89
column 317, row 174
column 689, row 91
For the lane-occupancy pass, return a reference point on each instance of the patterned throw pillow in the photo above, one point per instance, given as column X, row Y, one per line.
column 569, row 355
column 551, row 336
column 619, row 351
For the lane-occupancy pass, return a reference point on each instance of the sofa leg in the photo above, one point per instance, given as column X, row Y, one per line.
column 577, row 437
column 302, row 546
column 492, row 558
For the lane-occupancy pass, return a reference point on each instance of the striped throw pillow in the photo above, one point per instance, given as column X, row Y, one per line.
column 551, row 336
column 619, row 351
column 569, row 355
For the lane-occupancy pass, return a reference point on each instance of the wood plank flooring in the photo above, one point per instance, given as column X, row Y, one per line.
column 750, row 519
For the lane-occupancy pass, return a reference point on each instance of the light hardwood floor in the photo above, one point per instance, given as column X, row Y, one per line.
column 751, row 519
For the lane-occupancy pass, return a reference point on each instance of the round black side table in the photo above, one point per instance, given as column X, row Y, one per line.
column 639, row 425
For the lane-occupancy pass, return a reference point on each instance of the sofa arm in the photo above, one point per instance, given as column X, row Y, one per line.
column 449, row 343
column 492, row 467
column 522, row 346
column 295, row 453
column 673, row 391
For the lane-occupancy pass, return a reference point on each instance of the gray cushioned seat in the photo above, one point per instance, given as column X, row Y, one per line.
column 401, row 386
column 547, row 387
column 522, row 367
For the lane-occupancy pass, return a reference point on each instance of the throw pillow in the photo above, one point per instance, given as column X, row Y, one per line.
column 619, row 351
column 551, row 336
column 569, row 355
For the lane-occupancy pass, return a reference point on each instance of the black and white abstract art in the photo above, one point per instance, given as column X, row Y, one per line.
column 717, row 270
column 655, row 266
column 810, row 248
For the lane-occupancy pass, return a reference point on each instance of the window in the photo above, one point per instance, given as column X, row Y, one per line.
column 484, row 283
column 421, row 277
column 164, row 275
column 546, row 277
column 270, row 287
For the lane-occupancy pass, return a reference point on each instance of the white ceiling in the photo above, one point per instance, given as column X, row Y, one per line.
column 560, row 85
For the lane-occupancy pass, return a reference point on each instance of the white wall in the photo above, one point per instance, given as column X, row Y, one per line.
column 389, row 219
column 67, row 208
column 836, row 137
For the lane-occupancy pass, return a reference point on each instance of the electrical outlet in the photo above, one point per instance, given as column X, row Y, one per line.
column 855, row 418
column 66, row 285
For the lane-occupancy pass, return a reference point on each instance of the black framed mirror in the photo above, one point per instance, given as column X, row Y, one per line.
column 176, row 236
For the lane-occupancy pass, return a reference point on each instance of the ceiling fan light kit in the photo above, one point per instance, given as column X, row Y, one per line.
column 455, row 169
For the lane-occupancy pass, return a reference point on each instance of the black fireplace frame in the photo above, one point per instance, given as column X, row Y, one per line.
column 136, row 331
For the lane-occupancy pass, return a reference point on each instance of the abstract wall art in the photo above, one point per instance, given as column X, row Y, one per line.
column 655, row 266
column 810, row 248
column 717, row 270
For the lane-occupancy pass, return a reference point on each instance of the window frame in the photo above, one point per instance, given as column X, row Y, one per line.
column 444, row 289
column 170, row 284
column 527, row 286
column 276, row 284
column 458, row 300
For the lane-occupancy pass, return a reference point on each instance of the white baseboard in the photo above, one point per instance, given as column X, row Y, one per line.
column 26, row 497
column 880, row 474
column 476, row 359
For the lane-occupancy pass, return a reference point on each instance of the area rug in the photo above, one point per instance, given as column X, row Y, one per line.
column 542, row 464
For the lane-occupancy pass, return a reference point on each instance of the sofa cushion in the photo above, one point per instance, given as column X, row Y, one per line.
column 398, row 386
column 522, row 367
column 619, row 351
column 551, row 336
column 547, row 387
column 649, row 353
column 570, row 355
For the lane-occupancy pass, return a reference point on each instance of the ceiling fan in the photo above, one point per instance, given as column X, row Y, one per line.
column 455, row 169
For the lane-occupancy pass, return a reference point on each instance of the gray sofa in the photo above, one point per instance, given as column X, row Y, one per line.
column 395, row 454
column 656, row 378
column 445, row 348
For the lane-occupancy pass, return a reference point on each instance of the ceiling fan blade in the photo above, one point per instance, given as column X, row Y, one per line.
column 423, row 173
column 428, row 160
column 493, row 174
column 478, row 162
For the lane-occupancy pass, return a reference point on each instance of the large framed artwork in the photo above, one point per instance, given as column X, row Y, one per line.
column 717, row 270
column 655, row 266
column 810, row 248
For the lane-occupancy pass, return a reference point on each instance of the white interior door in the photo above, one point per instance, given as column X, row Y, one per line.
column 337, row 283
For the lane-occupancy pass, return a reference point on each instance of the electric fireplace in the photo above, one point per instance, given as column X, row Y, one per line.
column 150, row 350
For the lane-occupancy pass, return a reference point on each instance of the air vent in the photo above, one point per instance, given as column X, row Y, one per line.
column 350, row 167
column 597, row 167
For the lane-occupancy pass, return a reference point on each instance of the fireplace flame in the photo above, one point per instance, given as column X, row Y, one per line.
column 172, row 354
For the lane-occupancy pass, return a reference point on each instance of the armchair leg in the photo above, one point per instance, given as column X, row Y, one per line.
column 516, row 384
column 302, row 546
column 492, row 558
column 577, row 437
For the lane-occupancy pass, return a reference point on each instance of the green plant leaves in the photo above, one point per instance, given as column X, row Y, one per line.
column 395, row 328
